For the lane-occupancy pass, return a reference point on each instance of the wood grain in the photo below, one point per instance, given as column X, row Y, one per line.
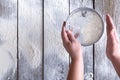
column 104, row 69
column 88, row 50
column 8, row 39
column 30, row 39
column 56, row 59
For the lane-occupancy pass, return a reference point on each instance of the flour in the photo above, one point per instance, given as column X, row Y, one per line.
column 88, row 24
column 8, row 30
column 7, row 64
column 30, row 39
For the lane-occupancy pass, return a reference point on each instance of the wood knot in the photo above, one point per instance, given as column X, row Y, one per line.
column 89, row 76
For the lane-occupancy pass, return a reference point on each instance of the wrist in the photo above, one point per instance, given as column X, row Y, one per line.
column 77, row 58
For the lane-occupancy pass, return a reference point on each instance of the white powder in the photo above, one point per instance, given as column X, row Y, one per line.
column 7, row 64
column 30, row 40
column 88, row 24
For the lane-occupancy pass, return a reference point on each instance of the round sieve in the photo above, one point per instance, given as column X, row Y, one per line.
column 86, row 24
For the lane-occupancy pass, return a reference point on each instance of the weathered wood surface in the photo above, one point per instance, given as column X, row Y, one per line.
column 8, row 39
column 56, row 60
column 88, row 50
column 103, row 68
column 30, row 39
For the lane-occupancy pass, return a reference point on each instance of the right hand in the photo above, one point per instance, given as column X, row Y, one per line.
column 112, row 49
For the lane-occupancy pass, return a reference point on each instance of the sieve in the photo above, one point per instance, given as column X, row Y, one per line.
column 86, row 24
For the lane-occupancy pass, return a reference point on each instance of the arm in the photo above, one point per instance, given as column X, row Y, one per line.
column 112, row 49
column 73, row 47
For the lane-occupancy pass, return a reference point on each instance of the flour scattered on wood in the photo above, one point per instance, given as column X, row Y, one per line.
column 7, row 64
column 8, row 38
column 30, row 42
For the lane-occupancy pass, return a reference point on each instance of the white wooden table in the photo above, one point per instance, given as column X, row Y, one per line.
column 30, row 41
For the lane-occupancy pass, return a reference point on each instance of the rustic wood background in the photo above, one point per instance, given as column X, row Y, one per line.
column 30, row 40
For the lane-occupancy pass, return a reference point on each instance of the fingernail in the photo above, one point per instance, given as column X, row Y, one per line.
column 107, row 15
column 64, row 23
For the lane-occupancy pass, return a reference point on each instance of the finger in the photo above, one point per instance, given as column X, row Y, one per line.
column 111, row 30
column 110, row 24
column 70, row 36
column 63, row 33
column 76, row 35
column 109, row 21
column 71, row 29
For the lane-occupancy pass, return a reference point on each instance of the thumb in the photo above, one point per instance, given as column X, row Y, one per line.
column 70, row 36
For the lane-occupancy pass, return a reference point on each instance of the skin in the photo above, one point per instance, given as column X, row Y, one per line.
column 112, row 48
column 74, row 48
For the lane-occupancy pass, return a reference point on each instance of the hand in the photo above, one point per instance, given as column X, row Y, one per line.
column 70, row 43
column 112, row 49
column 73, row 47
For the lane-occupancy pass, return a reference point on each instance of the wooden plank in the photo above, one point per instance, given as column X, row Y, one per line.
column 104, row 69
column 8, row 39
column 88, row 50
column 30, row 39
column 56, row 59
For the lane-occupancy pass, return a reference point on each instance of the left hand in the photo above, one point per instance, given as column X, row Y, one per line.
column 71, row 44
